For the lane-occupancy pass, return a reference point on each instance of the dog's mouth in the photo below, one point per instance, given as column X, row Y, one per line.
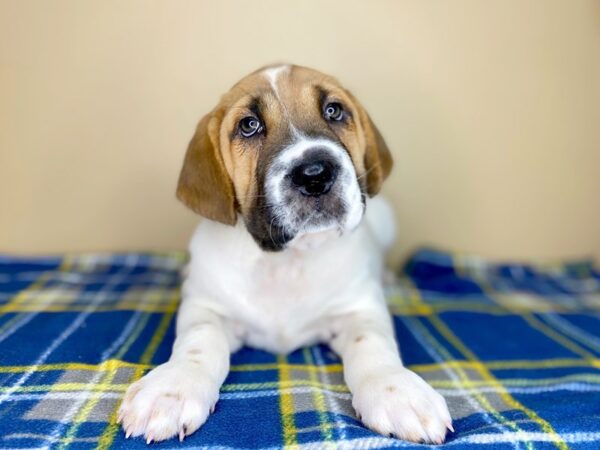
column 273, row 227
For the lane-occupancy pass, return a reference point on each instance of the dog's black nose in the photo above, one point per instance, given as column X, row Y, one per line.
column 314, row 178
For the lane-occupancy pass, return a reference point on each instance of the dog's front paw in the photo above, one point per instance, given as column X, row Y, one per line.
column 173, row 399
column 399, row 403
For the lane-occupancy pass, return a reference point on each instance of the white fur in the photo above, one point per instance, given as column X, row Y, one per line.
column 272, row 73
column 349, row 187
column 326, row 290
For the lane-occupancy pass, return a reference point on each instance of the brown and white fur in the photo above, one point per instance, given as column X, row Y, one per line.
column 284, row 262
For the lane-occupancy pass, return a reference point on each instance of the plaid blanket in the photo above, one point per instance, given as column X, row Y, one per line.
column 513, row 348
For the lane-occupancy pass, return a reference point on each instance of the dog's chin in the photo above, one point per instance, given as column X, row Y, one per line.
column 275, row 236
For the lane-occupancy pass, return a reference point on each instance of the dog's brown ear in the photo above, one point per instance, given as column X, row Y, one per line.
column 204, row 185
column 378, row 159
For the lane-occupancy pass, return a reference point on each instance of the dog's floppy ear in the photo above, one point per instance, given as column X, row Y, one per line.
column 204, row 185
column 378, row 159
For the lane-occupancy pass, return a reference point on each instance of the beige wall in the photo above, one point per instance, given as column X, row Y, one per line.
column 492, row 110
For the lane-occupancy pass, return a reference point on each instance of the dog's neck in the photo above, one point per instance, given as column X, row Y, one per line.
column 313, row 240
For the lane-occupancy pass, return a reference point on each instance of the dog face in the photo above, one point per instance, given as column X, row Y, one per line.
column 288, row 149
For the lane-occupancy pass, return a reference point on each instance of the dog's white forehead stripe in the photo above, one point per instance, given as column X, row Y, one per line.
column 272, row 74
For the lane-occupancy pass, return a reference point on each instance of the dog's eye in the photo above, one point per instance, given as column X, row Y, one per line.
column 249, row 126
column 333, row 111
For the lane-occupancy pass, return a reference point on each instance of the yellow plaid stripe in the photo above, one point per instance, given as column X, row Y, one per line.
column 286, row 406
column 331, row 368
column 462, row 385
column 319, row 400
column 398, row 306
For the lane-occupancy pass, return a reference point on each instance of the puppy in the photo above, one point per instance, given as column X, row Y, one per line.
column 291, row 255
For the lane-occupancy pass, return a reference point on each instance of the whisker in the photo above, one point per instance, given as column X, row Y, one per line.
column 375, row 166
column 246, row 197
column 271, row 231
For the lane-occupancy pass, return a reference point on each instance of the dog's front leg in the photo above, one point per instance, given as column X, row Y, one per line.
column 387, row 397
column 176, row 397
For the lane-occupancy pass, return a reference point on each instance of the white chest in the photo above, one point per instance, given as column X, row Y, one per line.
column 278, row 301
column 286, row 301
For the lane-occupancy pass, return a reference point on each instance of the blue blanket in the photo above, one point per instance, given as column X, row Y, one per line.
column 514, row 349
